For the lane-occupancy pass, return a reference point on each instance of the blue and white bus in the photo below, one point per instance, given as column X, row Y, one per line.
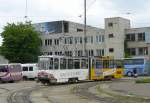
column 140, row 64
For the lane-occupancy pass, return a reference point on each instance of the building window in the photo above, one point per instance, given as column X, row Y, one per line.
column 111, row 35
column 56, row 41
column 130, row 37
column 66, row 27
column 110, row 24
column 68, row 53
column 141, row 36
column 111, row 49
column 80, row 40
column 99, row 38
column 49, row 41
column 100, row 52
column 131, row 51
column 79, row 30
column 80, row 53
column 143, row 51
column 102, row 38
column 50, row 53
column 89, row 53
column 46, row 42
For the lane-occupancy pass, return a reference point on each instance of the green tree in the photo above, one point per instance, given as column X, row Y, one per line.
column 21, row 43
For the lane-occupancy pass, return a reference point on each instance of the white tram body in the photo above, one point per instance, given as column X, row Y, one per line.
column 59, row 69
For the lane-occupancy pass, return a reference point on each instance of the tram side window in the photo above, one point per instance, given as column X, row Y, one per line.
column 56, row 63
column 99, row 64
column 84, row 64
column 119, row 63
column 62, row 63
column 77, row 64
column 70, row 63
column 51, row 63
column 106, row 63
column 111, row 64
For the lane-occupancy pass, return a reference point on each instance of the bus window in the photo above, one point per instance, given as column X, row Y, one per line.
column 62, row 63
column 99, row 64
column 56, row 63
column 30, row 68
column 76, row 63
column 3, row 69
column 70, row 63
column 138, row 61
column 84, row 64
column 25, row 69
column 51, row 63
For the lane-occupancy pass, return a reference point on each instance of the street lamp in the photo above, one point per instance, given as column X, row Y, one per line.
column 84, row 28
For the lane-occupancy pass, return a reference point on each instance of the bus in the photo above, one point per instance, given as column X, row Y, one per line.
column 29, row 71
column 140, row 64
column 60, row 69
column 10, row 72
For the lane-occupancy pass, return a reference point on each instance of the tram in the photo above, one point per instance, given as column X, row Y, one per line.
column 106, row 67
column 60, row 69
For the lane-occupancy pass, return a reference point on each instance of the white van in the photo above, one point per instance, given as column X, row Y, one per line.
column 29, row 71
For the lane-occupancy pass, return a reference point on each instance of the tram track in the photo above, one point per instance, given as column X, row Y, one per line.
column 83, row 90
column 3, row 90
column 21, row 96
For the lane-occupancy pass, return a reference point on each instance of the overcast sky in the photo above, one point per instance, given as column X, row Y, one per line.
column 138, row 11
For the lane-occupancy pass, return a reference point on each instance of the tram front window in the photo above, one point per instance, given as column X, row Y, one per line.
column 43, row 65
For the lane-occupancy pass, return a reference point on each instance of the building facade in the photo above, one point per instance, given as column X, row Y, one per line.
column 67, row 38
column 117, row 39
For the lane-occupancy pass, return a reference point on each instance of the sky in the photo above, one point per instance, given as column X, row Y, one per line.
column 138, row 11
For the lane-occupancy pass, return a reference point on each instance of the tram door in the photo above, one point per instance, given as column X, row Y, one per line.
column 96, row 69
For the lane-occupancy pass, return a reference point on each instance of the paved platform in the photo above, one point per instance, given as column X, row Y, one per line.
column 132, row 88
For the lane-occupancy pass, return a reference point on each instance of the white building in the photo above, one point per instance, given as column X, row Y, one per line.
column 67, row 38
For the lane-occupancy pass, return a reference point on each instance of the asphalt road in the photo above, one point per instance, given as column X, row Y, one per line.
column 86, row 92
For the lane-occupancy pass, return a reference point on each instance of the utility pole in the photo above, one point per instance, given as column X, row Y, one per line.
column 85, row 39
column 26, row 10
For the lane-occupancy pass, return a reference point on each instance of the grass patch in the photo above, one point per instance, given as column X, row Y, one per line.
column 144, row 80
column 130, row 97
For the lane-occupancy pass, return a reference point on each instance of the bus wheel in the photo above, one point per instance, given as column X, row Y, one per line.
column 129, row 74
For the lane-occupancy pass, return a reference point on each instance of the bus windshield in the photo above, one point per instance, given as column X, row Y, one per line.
column 3, row 68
